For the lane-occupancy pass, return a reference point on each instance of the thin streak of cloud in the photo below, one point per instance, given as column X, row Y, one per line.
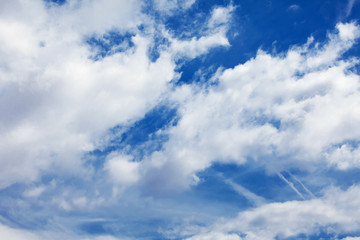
column 293, row 7
column 349, row 7
column 252, row 197
column 291, row 185
column 302, row 185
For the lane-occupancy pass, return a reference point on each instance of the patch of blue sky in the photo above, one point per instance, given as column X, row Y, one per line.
column 145, row 129
column 198, row 71
column 270, row 187
column 340, row 178
column 352, row 143
column 139, row 229
column 55, row 199
column 189, row 24
column 140, row 139
column 58, row 2
column 274, row 29
column 13, row 190
column 149, row 219
column 95, row 227
column 8, row 216
column 213, row 189
column 354, row 51
column 356, row 68
column 159, row 43
column 186, row 25
column 27, row 216
column 109, row 44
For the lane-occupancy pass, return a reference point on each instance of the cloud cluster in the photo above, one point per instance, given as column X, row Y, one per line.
column 335, row 212
column 298, row 109
column 57, row 101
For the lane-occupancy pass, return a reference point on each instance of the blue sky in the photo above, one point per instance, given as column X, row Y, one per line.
column 179, row 119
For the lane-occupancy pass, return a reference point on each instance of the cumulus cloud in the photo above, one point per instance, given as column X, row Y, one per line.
column 282, row 111
column 195, row 47
column 34, row 192
column 58, row 101
column 296, row 109
column 123, row 169
column 220, row 15
column 344, row 157
column 14, row 234
column 292, row 218
column 213, row 35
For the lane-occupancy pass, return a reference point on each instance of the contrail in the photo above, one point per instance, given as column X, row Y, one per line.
column 349, row 7
column 303, row 186
column 252, row 197
column 291, row 185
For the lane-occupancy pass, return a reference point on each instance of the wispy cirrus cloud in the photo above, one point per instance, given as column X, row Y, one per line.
column 349, row 7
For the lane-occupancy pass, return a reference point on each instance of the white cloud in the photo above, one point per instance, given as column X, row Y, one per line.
column 198, row 46
column 80, row 202
column 87, row 17
column 15, row 234
column 220, row 15
column 344, row 157
column 20, row 234
column 122, row 169
column 106, row 238
column 34, row 192
column 337, row 211
column 252, row 197
column 214, row 35
column 293, row 7
column 172, row 6
column 277, row 110
column 216, row 236
column 348, row 31
column 58, row 102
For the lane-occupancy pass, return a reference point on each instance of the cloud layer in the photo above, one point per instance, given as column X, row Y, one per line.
column 58, row 101
column 297, row 109
column 77, row 76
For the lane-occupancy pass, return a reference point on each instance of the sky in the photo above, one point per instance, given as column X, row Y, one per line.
column 179, row 119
